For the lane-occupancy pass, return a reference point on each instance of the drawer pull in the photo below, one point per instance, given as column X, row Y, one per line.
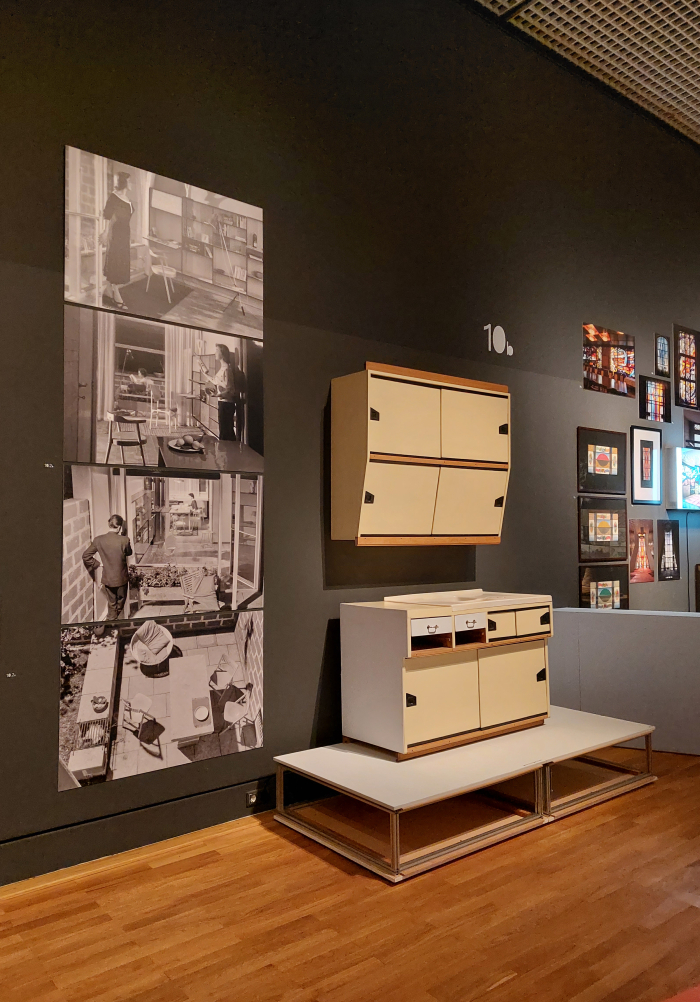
column 432, row 629
column 542, row 675
column 373, row 415
column 369, row 498
column 492, row 625
column 544, row 618
column 498, row 503
column 411, row 700
column 503, row 429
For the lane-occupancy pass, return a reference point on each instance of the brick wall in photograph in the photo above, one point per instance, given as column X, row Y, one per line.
column 249, row 637
column 77, row 586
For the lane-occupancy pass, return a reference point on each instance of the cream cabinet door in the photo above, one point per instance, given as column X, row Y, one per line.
column 442, row 700
column 404, row 418
column 512, row 682
column 533, row 620
column 475, row 426
column 470, row 502
column 398, row 500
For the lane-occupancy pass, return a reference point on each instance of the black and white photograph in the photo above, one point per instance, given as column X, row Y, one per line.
column 138, row 392
column 668, row 550
column 143, row 546
column 151, row 246
column 146, row 697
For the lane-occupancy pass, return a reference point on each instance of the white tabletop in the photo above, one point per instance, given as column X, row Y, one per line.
column 189, row 679
column 375, row 775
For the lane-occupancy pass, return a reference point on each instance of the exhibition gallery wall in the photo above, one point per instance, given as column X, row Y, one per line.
column 520, row 226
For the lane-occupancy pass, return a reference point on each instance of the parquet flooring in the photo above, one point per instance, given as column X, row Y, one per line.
column 603, row 905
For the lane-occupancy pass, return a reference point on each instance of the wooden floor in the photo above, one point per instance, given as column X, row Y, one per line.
column 604, row 904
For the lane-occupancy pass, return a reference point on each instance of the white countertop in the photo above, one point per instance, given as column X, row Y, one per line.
column 375, row 775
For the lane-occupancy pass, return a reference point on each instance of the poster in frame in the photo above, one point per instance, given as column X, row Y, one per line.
column 668, row 549
column 686, row 344
column 642, row 565
column 604, row 586
column 646, row 465
column 602, row 529
column 654, row 399
column 608, row 361
column 662, row 356
column 602, row 461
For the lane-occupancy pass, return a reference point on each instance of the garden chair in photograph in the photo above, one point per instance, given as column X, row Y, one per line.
column 198, row 588
column 143, row 724
column 159, row 266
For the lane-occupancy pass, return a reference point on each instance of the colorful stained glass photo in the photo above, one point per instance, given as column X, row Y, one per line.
column 608, row 361
column 602, row 531
column 604, row 586
column 654, row 399
column 668, row 546
column 641, row 534
column 662, row 356
column 685, row 357
column 646, row 462
column 601, row 461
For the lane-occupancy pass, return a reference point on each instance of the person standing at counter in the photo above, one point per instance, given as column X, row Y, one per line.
column 241, row 387
column 116, row 238
column 224, row 383
column 113, row 548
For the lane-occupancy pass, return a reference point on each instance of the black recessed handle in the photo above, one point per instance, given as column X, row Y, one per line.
column 373, row 415
column 542, row 675
column 498, row 503
column 492, row 625
column 503, row 429
column 544, row 618
column 411, row 700
column 369, row 498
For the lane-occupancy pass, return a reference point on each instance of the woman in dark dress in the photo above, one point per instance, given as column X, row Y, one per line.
column 117, row 240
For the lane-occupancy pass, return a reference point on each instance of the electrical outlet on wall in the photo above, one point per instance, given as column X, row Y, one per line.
column 251, row 798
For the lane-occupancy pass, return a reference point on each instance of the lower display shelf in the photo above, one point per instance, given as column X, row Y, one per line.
column 399, row 819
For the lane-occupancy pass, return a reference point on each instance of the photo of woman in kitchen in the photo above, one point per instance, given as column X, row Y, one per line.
column 116, row 239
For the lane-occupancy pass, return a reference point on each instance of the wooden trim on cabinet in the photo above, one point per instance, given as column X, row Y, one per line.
column 425, row 540
column 432, row 377
column 524, row 639
column 471, row 464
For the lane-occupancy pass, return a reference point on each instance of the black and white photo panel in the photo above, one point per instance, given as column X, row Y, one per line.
column 150, row 544
column 148, row 393
column 139, row 698
column 151, row 246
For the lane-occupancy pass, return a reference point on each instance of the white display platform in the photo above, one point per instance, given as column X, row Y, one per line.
column 371, row 777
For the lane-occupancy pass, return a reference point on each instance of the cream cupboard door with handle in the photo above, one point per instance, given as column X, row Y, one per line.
column 470, row 502
column 404, row 418
column 512, row 682
column 398, row 500
column 441, row 700
column 475, row 426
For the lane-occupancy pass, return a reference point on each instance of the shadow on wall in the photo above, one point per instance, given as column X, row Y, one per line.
column 328, row 726
column 346, row 565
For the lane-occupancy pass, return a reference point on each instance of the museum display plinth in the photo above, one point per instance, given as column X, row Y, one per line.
column 399, row 819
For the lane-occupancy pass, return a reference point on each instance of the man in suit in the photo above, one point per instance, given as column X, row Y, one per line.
column 112, row 548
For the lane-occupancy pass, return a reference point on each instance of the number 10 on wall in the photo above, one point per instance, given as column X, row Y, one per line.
column 497, row 340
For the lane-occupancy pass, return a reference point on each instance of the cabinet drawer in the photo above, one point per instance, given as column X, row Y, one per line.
column 529, row 621
column 404, row 418
column 500, row 624
column 470, row 502
column 398, row 500
column 470, row 628
column 429, row 627
column 440, row 701
column 512, row 682
column 475, row 426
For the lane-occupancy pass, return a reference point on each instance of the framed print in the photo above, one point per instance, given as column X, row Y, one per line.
column 662, row 356
column 602, row 529
column 685, row 360
column 608, row 361
column 602, row 461
column 641, row 532
column 604, row 586
column 654, row 399
column 646, row 465
column 668, row 546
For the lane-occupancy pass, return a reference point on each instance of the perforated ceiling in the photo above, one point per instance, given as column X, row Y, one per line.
column 648, row 50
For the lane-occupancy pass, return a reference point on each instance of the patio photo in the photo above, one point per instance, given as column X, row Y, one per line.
column 142, row 393
column 139, row 546
column 139, row 243
column 137, row 700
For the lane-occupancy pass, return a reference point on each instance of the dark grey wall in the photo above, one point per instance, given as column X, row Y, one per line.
column 422, row 173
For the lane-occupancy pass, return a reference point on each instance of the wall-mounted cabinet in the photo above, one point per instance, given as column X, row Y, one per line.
column 418, row 458
column 425, row 672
